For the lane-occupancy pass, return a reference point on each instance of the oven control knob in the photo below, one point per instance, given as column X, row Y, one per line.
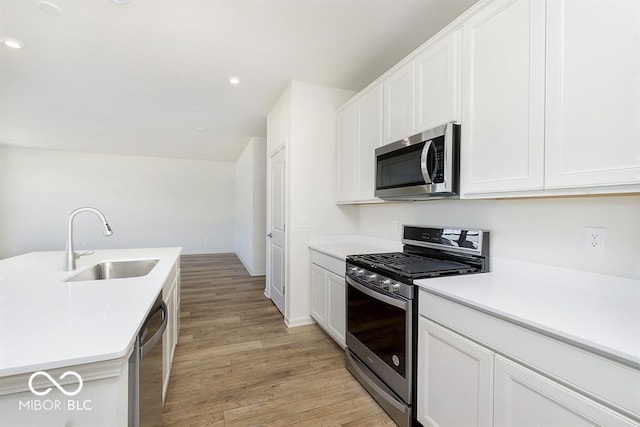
column 360, row 272
column 372, row 277
column 395, row 287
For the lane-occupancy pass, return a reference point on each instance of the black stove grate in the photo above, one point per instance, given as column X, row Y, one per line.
column 414, row 265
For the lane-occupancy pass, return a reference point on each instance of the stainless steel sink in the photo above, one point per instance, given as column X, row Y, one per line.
column 115, row 270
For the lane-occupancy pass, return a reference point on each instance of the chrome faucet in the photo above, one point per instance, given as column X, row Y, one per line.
column 70, row 256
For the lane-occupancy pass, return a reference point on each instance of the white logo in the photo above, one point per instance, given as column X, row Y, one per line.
column 55, row 383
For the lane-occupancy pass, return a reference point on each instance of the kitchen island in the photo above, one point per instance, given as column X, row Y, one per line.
column 89, row 327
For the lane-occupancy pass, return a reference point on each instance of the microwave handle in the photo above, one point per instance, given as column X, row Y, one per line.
column 423, row 162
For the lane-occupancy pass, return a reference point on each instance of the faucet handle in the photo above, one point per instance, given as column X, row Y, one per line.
column 79, row 254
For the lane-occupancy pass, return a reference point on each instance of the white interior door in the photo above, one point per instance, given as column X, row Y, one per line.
column 276, row 237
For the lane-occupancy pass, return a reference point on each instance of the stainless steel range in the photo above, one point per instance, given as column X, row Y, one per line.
column 382, row 308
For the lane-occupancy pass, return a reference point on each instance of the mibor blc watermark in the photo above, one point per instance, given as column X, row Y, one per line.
column 38, row 404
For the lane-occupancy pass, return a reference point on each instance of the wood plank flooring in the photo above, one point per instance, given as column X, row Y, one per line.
column 237, row 364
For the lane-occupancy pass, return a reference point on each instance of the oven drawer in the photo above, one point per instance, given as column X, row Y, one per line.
column 604, row 380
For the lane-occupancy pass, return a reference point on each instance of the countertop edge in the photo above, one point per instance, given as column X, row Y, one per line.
column 609, row 353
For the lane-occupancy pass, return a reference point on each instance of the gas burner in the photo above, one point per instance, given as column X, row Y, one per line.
column 413, row 266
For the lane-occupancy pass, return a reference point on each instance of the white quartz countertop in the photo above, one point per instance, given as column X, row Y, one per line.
column 340, row 246
column 47, row 323
column 594, row 311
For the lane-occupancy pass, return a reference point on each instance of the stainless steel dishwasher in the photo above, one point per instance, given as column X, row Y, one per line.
column 145, row 369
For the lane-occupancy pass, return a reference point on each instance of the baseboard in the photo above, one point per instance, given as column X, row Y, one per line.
column 251, row 272
column 292, row 323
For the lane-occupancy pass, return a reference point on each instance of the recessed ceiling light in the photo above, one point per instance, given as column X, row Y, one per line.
column 121, row 1
column 12, row 43
column 234, row 80
column 49, row 7
column 199, row 109
column 203, row 129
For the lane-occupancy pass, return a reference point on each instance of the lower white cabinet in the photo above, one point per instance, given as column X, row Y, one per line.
column 171, row 297
column 336, row 307
column 477, row 370
column 455, row 379
column 524, row 398
column 328, row 295
column 101, row 401
column 327, row 302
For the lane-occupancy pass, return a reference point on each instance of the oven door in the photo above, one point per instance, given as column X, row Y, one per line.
column 379, row 333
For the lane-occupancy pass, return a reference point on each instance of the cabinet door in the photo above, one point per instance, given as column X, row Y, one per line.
column 319, row 294
column 369, row 138
column 336, row 308
column 398, row 104
column 347, row 151
column 455, row 379
column 169, row 338
column 524, row 398
column 437, row 77
column 502, row 146
column 593, row 93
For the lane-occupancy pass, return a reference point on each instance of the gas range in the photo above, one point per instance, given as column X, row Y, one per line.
column 382, row 308
column 427, row 252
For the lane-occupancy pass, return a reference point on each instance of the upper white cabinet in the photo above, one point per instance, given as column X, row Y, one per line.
column 347, row 149
column 503, row 99
column 437, row 83
column 425, row 91
column 359, row 134
column 421, row 93
column 369, row 138
column 593, row 93
column 551, row 106
column 398, row 104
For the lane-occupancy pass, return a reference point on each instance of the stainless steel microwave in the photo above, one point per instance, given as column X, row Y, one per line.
column 423, row 166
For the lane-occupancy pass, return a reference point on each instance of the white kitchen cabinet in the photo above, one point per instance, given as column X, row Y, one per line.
column 101, row 401
column 550, row 107
column 537, row 380
column 593, row 93
column 171, row 297
column 437, row 79
column 319, row 294
column 369, row 138
column 503, row 99
column 359, row 134
column 336, row 307
column 398, row 104
column 347, row 153
column 524, row 398
column 328, row 295
column 455, row 379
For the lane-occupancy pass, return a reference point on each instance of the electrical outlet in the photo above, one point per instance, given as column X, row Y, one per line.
column 594, row 239
column 394, row 225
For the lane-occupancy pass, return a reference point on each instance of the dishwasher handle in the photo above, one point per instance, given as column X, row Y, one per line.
column 147, row 345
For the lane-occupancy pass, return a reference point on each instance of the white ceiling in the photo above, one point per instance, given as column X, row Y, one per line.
column 151, row 77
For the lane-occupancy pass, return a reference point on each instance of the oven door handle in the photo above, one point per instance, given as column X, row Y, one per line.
column 378, row 295
column 424, row 167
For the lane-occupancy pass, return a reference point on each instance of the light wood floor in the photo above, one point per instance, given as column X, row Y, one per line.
column 236, row 363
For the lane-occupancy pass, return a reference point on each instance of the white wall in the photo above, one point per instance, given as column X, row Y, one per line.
column 250, row 209
column 540, row 230
column 149, row 202
column 305, row 117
